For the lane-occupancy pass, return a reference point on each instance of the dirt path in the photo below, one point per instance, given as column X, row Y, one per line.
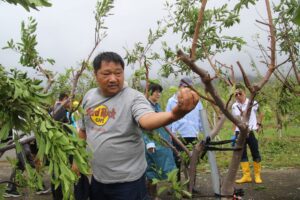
column 283, row 184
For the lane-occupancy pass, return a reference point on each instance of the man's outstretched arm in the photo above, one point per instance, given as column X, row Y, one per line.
column 187, row 100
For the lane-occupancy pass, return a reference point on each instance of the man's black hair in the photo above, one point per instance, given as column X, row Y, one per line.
column 154, row 87
column 240, row 86
column 108, row 57
column 63, row 95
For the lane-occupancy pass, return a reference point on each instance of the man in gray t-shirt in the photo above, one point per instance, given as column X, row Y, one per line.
column 113, row 134
column 112, row 126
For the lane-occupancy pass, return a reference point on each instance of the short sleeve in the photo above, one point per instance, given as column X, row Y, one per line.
column 140, row 107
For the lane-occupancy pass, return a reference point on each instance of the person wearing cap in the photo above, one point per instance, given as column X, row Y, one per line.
column 254, row 124
column 159, row 157
column 188, row 127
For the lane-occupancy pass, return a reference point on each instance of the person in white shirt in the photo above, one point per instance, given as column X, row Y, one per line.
column 188, row 127
column 254, row 124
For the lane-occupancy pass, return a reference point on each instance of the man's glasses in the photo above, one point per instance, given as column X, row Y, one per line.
column 238, row 94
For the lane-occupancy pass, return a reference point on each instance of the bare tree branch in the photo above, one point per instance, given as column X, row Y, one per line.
column 245, row 77
column 229, row 100
column 287, row 60
column 264, row 23
column 272, row 47
column 198, row 93
column 213, row 66
column 171, row 146
column 48, row 75
column 197, row 151
column 217, row 127
column 232, row 80
column 198, row 25
column 147, row 78
column 176, row 140
column 205, row 77
column 292, row 55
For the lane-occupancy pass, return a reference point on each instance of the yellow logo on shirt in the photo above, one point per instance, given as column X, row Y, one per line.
column 100, row 115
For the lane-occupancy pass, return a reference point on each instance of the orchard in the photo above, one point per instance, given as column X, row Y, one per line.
column 203, row 42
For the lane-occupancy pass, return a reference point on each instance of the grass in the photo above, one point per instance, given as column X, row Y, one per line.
column 277, row 152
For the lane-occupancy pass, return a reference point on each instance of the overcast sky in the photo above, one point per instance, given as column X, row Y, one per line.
column 65, row 30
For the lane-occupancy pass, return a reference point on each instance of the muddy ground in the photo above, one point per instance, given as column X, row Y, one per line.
column 283, row 184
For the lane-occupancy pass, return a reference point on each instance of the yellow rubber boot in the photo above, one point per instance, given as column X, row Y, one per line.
column 246, row 173
column 257, row 170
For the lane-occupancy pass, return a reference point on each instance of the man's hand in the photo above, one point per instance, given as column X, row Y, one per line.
column 259, row 127
column 187, row 101
column 233, row 139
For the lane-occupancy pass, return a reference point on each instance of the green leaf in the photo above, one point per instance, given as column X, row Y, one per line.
column 172, row 176
column 296, row 18
column 48, row 146
column 43, row 127
column 51, row 61
column 50, row 135
column 42, row 147
column 162, row 189
column 4, row 131
column 56, row 171
column 50, row 171
column 19, row 147
column 27, row 4
column 155, row 181
column 186, row 193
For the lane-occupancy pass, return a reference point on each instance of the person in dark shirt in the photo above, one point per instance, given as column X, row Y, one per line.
column 59, row 112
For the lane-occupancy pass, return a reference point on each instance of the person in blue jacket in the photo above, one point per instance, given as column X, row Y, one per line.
column 159, row 157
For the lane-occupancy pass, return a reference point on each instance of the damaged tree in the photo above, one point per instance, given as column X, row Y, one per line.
column 227, row 188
